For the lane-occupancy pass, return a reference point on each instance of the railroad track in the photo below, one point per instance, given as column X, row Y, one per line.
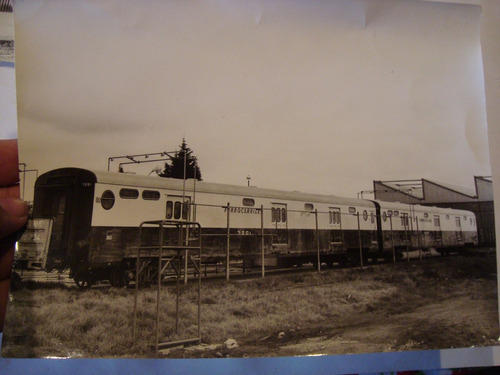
column 237, row 271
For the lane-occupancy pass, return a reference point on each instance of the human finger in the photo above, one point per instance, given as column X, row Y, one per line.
column 9, row 172
column 13, row 216
column 9, row 192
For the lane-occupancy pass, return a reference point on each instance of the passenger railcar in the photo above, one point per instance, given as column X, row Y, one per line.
column 96, row 217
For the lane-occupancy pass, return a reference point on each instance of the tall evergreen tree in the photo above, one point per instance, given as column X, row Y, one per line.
column 174, row 168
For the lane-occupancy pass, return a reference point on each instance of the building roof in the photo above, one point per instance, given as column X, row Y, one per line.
column 416, row 188
column 471, row 193
column 485, row 178
column 413, row 188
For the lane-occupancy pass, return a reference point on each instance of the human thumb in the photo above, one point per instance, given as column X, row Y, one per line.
column 13, row 215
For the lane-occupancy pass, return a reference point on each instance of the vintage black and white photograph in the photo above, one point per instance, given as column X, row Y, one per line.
column 218, row 179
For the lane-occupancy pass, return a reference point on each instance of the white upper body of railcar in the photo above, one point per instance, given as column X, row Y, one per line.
column 126, row 200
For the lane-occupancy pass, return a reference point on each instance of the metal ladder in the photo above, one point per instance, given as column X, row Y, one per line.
column 177, row 240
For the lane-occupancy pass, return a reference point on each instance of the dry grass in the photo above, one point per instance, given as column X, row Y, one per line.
column 59, row 321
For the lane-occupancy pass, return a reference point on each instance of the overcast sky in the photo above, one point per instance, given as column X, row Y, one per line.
column 315, row 96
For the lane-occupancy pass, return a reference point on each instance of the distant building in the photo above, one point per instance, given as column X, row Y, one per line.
column 431, row 193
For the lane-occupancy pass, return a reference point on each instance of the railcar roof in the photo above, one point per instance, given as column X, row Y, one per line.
column 154, row 182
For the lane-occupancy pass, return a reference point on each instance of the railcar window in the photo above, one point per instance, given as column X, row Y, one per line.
column 151, row 195
column 372, row 217
column 384, row 216
column 352, row 210
column 389, row 213
column 335, row 217
column 396, row 213
column 248, row 202
column 404, row 220
column 308, row 206
column 170, row 209
column 107, row 200
column 426, row 215
column 447, row 217
column 365, row 215
column 129, row 193
column 276, row 214
column 177, row 210
column 436, row 221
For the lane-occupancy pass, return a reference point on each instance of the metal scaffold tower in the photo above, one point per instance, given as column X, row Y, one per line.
column 165, row 245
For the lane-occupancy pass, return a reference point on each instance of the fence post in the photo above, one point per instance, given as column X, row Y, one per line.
column 317, row 240
column 134, row 332
column 228, row 242
column 158, row 295
column 262, row 239
column 406, row 225
column 177, row 285
column 360, row 243
column 186, row 255
column 418, row 240
column 392, row 241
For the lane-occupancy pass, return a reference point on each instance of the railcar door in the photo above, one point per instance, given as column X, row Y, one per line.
column 279, row 218
column 54, row 204
column 438, row 234
column 177, row 208
column 405, row 223
column 458, row 229
column 335, row 221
